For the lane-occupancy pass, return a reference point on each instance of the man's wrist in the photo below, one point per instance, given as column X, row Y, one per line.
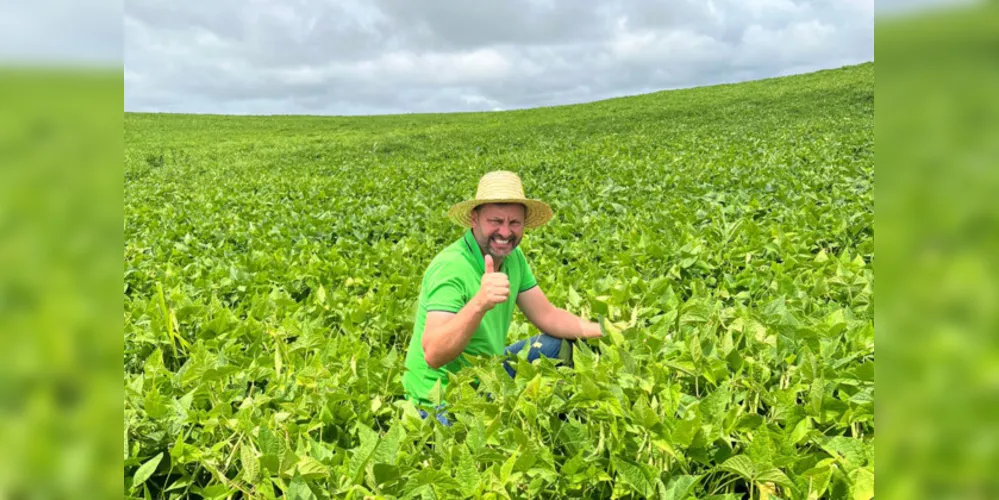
column 590, row 329
column 478, row 305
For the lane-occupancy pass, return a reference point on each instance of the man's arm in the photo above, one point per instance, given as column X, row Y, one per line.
column 445, row 335
column 552, row 320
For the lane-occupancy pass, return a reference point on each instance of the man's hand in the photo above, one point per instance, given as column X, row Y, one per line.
column 590, row 329
column 495, row 287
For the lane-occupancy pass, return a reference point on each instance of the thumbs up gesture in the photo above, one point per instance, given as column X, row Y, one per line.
column 495, row 287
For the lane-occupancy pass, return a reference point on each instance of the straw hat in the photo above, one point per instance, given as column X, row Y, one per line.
column 501, row 187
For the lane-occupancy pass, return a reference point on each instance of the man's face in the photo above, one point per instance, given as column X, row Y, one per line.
column 498, row 228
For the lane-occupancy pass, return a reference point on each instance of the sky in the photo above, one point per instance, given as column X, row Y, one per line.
column 362, row 57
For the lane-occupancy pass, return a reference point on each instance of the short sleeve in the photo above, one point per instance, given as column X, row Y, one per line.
column 527, row 280
column 444, row 291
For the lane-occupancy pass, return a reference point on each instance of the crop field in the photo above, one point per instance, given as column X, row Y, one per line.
column 272, row 267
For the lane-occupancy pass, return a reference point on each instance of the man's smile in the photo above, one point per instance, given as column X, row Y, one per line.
column 502, row 244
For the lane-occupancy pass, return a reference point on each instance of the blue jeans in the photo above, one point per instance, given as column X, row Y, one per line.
column 541, row 345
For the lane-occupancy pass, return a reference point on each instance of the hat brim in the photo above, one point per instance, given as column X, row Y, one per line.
column 538, row 212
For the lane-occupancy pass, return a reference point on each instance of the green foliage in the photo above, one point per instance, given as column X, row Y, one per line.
column 272, row 266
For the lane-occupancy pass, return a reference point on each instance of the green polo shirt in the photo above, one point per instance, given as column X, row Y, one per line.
column 450, row 282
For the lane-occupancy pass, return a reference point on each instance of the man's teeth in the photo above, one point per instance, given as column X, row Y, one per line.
column 501, row 242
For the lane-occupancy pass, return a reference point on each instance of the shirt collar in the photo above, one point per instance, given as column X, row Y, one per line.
column 472, row 247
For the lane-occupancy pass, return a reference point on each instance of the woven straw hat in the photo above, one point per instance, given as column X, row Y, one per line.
column 501, row 187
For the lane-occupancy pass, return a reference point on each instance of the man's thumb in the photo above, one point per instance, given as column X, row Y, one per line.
column 489, row 263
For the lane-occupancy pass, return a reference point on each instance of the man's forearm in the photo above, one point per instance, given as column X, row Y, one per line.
column 446, row 342
column 565, row 325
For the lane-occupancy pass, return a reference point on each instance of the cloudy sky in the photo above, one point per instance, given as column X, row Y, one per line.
column 402, row 56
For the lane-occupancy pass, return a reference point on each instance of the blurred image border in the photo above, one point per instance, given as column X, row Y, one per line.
column 937, row 218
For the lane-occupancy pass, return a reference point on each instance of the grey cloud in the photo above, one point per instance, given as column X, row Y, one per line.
column 393, row 56
column 61, row 31
column 455, row 24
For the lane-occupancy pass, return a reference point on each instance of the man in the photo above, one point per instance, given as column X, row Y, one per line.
column 469, row 291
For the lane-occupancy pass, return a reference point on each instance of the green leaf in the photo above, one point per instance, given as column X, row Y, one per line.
column 865, row 372
column 385, row 473
column 271, row 449
column 679, row 487
column 816, row 396
column 762, row 448
column 248, row 459
column 774, row 475
column 749, row 422
column 363, row 453
column 528, row 456
column 583, row 357
column 310, row 468
column 851, row 451
column 818, row 481
column 146, row 470
column 155, row 405
column 574, row 299
column 734, row 360
column 476, row 438
column 507, row 468
column 388, row 447
column 573, row 464
column 713, row 407
column 216, row 491
column 466, row 474
column 685, row 430
column 180, row 483
column 299, row 490
column 741, row 465
column 801, row 430
column 436, row 395
column 863, row 484
column 641, row 480
column 665, row 446
column 694, row 347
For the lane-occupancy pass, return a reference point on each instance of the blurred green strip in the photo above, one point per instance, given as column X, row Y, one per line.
column 60, row 206
column 937, row 202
